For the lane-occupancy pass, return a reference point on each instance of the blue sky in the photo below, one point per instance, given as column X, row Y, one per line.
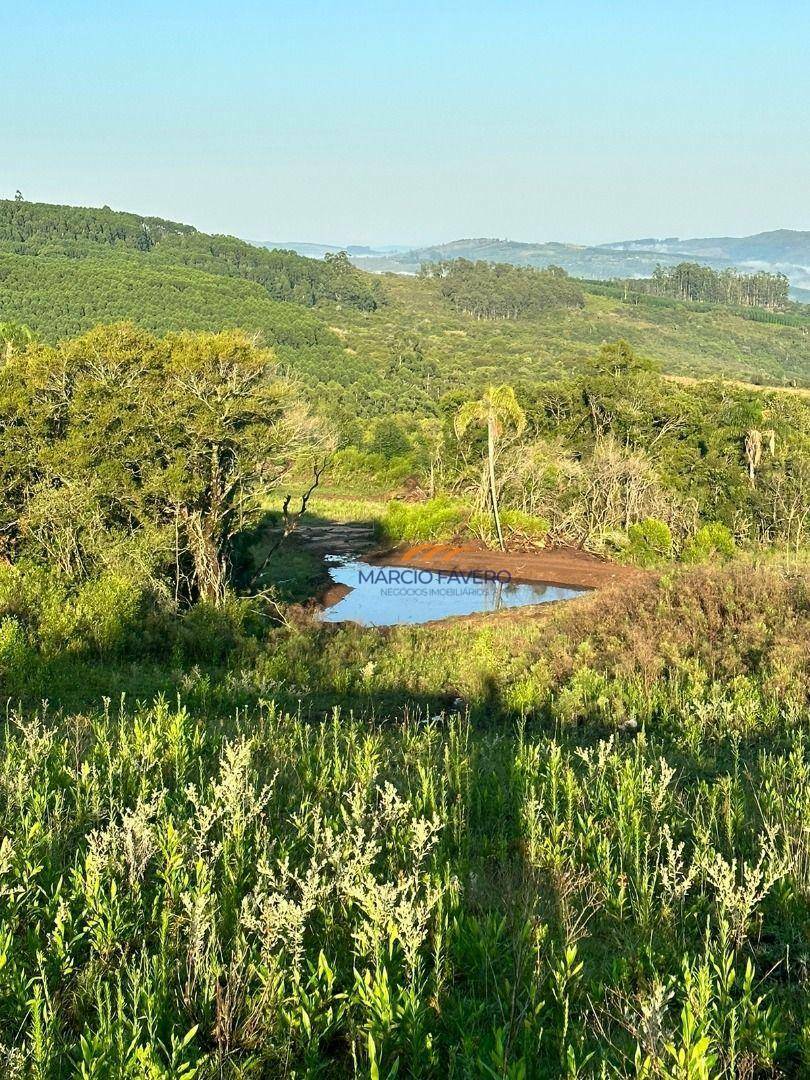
column 414, row 122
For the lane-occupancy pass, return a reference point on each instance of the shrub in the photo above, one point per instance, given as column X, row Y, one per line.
column 208, row 633
column 389, row 440
column 17, row 658
column 103, row 615
column 40, row 602
column 437, row 519
column 351, row 465
column 709, row 542
column 589, row 696
column 114, row 614
column 515, row 524
column 108, row 612
column 649, row 543
column 26, row 591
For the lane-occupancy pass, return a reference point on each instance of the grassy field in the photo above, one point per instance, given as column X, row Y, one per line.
column 566, row 846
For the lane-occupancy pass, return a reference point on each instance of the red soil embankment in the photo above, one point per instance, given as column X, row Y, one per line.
column 560, row 566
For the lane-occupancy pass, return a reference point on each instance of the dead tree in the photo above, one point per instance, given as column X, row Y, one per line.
column 290, row 519
column 755, row 440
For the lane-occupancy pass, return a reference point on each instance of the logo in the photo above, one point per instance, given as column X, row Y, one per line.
column 410, row 581
column 407, row 575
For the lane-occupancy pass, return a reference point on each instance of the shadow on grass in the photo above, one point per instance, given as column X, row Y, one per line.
column 294, row 567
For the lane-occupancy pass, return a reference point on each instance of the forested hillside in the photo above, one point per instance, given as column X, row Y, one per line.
column 77, row 233
column 692, row 339
column 59, row 297
column 369, row 345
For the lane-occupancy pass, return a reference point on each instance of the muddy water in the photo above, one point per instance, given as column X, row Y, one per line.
column 390, row 595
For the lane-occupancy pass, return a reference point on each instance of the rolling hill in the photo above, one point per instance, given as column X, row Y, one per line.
column 317, row 251
column 697, row 340
column 103, row 235
column 65, row 269
column 583, row 262
column 780, row 251
column 777, row 246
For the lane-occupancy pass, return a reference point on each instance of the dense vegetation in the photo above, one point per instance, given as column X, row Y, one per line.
column 599, row 870
column 691, row 281
column 119, row 448
column 237, row 842
column 620, row 460
column 60, row 298
column 37, row 229
column 120, row 441
column 500, row 291
column 683, row 338
column 73, row 273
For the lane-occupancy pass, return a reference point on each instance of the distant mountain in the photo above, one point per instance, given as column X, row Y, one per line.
column 317, row 251
column 779, row 245
column 780, row 251
column 578, row 260
column 783, row 251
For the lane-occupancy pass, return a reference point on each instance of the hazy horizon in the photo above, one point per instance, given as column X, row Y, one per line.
column 404, row 245
column 415, row 124
column 393, row 243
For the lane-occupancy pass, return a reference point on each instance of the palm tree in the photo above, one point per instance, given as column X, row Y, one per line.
column 496, row 410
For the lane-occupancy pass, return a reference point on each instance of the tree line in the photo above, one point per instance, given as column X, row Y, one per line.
column 501, row 291
column 693, row 282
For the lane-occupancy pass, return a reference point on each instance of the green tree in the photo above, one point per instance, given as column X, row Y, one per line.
column 14, row 337
column 618, row 358
column 123, row 441
column 496, row 410
column 388, row 439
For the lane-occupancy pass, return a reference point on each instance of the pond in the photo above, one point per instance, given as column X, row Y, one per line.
column 390, row 595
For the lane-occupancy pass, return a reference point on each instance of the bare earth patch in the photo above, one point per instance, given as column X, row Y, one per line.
column 562, row 566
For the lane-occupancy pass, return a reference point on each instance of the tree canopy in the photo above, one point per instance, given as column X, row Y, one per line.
column 694, row 282
column 120, row 441
column 41, row 229
column 501, row 291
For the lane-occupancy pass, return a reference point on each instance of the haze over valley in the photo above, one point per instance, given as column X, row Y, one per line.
column 782, row 251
